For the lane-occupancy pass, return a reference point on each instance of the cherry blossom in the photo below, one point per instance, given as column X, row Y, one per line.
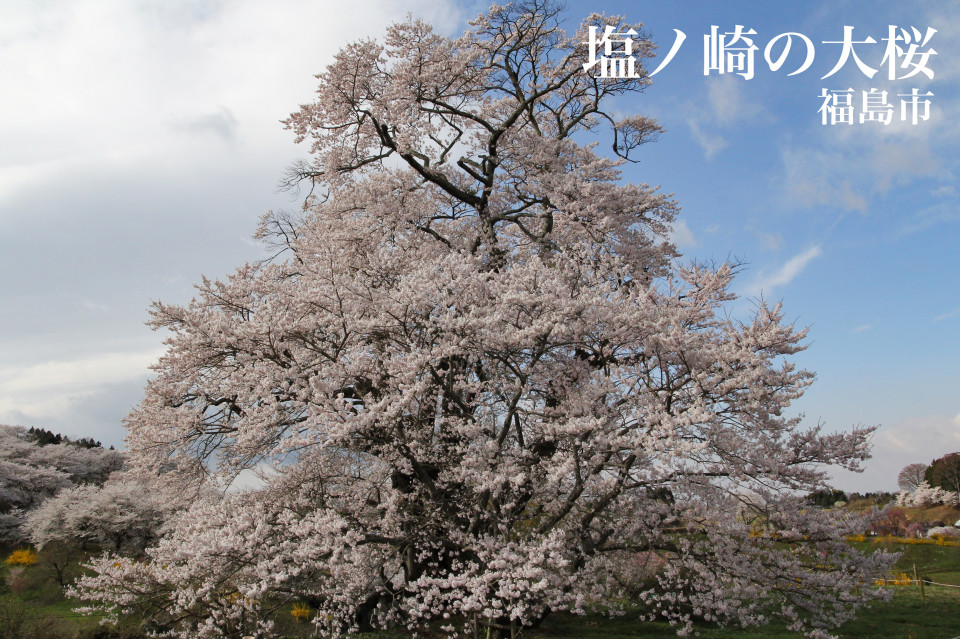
column 481, row 377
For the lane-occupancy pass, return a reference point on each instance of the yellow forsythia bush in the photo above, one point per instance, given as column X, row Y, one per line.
column 939, row 540
column 901, row 579
column 24, row 557
column 301, row 611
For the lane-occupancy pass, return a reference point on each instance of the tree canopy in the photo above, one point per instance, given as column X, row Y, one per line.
column 911, row 476
column 481, row 380
column 945, row 472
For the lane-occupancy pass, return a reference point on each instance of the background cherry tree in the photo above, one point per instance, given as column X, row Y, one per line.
column 481, row 378
column 31, row 472
column 123, row 514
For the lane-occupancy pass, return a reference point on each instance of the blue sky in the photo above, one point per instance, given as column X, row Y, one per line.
column 140, row 143
column 856, row 228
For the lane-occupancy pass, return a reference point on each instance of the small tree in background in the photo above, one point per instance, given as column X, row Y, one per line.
column 892, row 521
column 911, row 477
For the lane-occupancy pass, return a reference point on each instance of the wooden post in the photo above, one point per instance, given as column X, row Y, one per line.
column 923, row 596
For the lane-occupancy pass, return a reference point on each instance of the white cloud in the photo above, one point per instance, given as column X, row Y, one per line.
column 786, row 273
column 710, row 143
column 86, row 82
column 912, row 440
column 863, row 328
column 918, row 438
column 49, row 388
column 811, row 177
column 726, row 105
column 769, row 241
column 848, row 166
column 945, row 17
column 948, row 315
column 681, row 235
column 221, row 123
column 252, row 478
column 727, row 102
column 157, row 123
column 94, row 306
column 944, row 191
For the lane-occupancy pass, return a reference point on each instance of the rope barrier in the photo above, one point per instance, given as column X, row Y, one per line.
column 934, row 583
column 929, row 583
column 926, row 582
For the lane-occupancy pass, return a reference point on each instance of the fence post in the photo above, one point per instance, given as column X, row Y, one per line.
column 923, row 596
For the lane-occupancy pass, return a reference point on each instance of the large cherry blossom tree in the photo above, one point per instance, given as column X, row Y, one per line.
column 482, row 382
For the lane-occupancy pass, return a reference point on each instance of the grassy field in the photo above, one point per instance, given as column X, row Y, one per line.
column 33, row 608
column 906, row 617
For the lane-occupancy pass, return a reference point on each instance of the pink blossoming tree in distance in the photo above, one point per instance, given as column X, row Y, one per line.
column 481, row 381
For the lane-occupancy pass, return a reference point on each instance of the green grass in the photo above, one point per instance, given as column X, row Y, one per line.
column 44, row 612
column 34, row 607
column 906, row 617
column 934, row 563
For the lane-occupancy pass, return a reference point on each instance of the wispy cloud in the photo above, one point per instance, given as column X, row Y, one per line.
column 221, row 123
column 94, row 306
column 769, row 241
column 849, row 167
column 948, row 315
column 727, row 102
column 710, row 143
column 681, row 235
column 727, row 106
column 811, row 177
column 863, row 328
column 786, row 273
column 923, row 436
column 944, row 191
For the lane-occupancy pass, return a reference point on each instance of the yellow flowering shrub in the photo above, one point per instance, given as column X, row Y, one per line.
column 301, row 611
column 901, row 579
column 24, row 557
column 939, row 540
